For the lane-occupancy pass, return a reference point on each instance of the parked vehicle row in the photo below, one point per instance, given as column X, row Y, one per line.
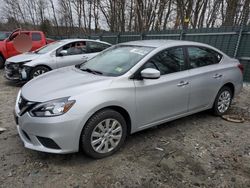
column 52, row 56
column 125, row 89
column 7, row 48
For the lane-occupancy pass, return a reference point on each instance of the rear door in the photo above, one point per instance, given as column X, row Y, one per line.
column 93, row 48
column 167, row 96
column 205, row 76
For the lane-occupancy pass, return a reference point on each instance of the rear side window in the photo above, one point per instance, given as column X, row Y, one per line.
column 36, row 37
column 93, row 47
column 199, row 57
column 167, row 61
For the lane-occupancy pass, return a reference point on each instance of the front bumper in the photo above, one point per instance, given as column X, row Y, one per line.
column 20, row 74
column 62, row 131
column 11, row 74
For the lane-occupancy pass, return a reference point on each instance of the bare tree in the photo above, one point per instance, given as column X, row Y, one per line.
column 230, row 12
column 54, row 16
column 41, row 6
column 65, row 10
column 75, row 16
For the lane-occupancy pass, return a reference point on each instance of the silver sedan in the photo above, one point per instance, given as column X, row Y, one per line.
column 125, row 89
column 55, row 55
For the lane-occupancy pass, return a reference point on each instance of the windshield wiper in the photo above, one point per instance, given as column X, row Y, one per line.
column 91, row 71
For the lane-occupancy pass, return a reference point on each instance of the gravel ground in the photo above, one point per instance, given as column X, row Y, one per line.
column 200, row 150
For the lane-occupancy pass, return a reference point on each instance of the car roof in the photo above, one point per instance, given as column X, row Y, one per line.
column 90, row 40
column 163, row 43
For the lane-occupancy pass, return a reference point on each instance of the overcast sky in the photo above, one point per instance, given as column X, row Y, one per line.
column 1, row 8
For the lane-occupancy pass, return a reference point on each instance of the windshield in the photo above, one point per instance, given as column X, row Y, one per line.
column 116, row 60
column 49, row 47
column 3, row 35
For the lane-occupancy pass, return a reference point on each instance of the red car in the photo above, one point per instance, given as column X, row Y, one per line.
column 7, row 48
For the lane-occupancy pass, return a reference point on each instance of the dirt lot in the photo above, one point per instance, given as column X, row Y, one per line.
column 197, row 151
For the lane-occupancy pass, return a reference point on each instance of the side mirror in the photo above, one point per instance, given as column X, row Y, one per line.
column 150, row 73
column 63, row 53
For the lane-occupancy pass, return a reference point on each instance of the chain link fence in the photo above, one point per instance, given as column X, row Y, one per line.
column 234, row 41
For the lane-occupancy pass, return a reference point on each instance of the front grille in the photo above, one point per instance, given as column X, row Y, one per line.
column 24, row 105
column 8, row 66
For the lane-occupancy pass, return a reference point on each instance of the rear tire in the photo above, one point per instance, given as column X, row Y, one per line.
column 103, row 134
column 1, row 62
column 223, row 101
column 37, row 71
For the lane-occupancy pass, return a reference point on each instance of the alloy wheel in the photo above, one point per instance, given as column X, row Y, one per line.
column 38, row 72
column 106, row 136
column 224, row 101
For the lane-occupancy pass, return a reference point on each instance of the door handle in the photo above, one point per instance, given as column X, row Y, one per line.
column 182, row 83
column 217, row 76
column 84, row 57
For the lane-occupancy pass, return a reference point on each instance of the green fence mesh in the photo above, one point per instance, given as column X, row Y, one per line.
column 234, row 41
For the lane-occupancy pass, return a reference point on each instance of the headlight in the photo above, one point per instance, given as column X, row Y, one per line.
column 19, row 64
column 52, row 108
column 23, row 62
column 18, row 96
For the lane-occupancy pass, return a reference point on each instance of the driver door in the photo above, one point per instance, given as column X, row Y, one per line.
column 165, row 97
column 11, row 50
column 76, row 54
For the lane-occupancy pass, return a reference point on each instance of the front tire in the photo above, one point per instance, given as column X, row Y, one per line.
column 1, row 62
column 37, row 71
column 223, row 101
column 103, row 134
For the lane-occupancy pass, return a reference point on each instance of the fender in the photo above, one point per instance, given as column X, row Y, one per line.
column 3, row 52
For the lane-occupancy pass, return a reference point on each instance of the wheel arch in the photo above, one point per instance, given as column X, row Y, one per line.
column 119, row 109
column 231, row 86
column 42, row 65
column 116, row 108
column 125, row 114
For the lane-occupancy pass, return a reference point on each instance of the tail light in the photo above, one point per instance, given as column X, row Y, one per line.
column 241, row 67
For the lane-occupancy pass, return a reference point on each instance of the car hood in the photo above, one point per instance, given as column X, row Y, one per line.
column 64, row 82
column 28, row 56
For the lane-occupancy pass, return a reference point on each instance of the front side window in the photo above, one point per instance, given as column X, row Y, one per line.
column 74, row 48
column 116, row 60
column 168, row 61
column 199, row 57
